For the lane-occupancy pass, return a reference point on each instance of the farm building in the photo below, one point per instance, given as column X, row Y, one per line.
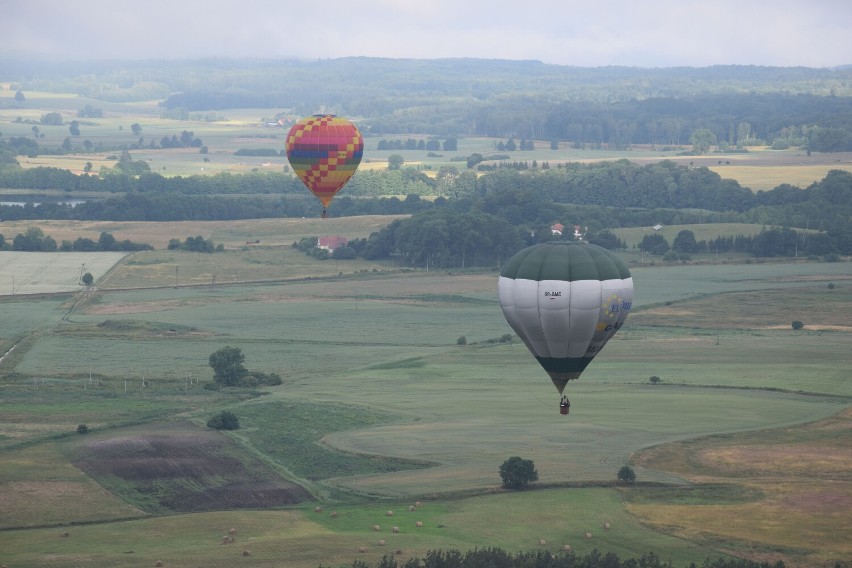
column 331, row 243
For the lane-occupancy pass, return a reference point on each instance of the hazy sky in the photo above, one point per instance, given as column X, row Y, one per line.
column 591, row 33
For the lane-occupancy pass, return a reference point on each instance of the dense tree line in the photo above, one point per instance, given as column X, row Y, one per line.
column 602, row 195
column 496, row 557
column 34, row 240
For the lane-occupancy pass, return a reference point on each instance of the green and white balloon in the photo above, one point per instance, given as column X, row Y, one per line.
column 565, row 300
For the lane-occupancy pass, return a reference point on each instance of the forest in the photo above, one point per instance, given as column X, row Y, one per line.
column 612, row 106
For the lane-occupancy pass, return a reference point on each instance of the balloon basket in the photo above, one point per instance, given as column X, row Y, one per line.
column 564, row 409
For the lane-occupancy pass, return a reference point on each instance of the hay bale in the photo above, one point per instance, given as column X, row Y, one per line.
column 566, row 547
column 362, row 549
column 542, row 542
column 411, row 507
column 398, row 551
column 334, row 514
column 226, row 539
column 232, row 531
column 377, row 528
column 418, row 524
column 418, row 504
column 395, row 529
column 158, row 563
column 317, row 509
column 588, row 535
column 382, row 542
column 246, row 553
column 65, row 534
column 606, row 526
column 389, row 513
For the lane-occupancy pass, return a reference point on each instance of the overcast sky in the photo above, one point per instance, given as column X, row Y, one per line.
column 591, row 33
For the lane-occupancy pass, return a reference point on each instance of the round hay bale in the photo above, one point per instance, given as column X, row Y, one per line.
column 418, row 504
column 362, row 549
column 246, row 553
column 588, row 535
column 389, row 513
column 395, row 529
column 232, row 531
column 158, row 563
column 418, row 524
column 377, row 528
column 398, row 551
column 606, row 525
column 334, row 514
column 566, row 547
column 226, row 540
column 317, row 509
column 382, row 542
column 411, row 507
column 65, row 534
column 542, row 542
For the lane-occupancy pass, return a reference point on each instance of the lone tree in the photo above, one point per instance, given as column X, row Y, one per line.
column 654, row 379
column 626, row 474
column 88, row 279
column 227, row 364
column 517, row 472
column 798, row 324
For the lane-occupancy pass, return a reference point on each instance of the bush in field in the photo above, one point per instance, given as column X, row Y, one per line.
column 626, row 474
column 88, row 279
column 82, row 429
column 517, row 472
column 228, row 370
column 462, row 340
column 655, row 379
column 224, row 421
column 797, row 324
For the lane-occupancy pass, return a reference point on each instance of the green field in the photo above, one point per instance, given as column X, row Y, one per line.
column 380, row 408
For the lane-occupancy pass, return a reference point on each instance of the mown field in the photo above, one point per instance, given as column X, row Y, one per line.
column 380, row 408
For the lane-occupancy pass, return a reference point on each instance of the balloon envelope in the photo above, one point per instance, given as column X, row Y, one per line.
column 324, row 150
column 565, row 300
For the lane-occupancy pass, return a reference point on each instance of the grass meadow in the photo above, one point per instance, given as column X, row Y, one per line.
column 380, row 408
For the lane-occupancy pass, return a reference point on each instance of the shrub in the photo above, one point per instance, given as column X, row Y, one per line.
column 82, row 429
column 831, row 285
column 461, row 340
column 224, row 421
column 655, row 379
column 797, row 324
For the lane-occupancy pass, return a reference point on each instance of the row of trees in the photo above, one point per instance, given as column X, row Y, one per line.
column 775, row 241
column 620, row 183
column 195, row 244
column 497, row 557
column 430, row 145
column 34, row 240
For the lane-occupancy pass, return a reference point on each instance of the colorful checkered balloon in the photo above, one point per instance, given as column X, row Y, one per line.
column 324, row 150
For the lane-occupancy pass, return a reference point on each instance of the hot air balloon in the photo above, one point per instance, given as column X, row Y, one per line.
column 324, row 151
column 565, row 300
